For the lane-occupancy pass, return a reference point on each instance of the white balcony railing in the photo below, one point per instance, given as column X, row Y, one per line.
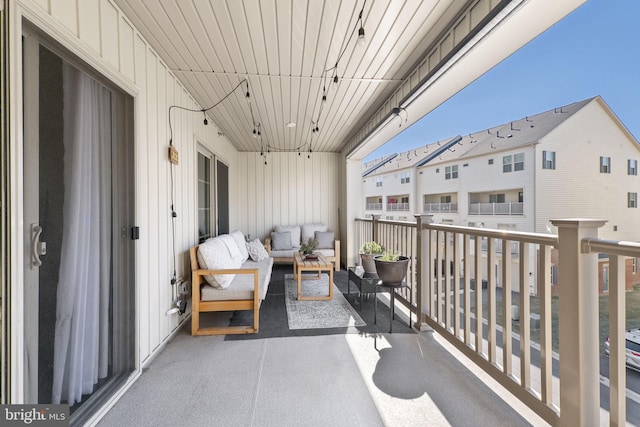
column 397, row 206
column 440, row 207
column 447, row 300
column 374, row 206
column 509, row 208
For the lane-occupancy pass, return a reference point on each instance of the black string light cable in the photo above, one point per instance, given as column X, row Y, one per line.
column 315, row 128
column 174, row 215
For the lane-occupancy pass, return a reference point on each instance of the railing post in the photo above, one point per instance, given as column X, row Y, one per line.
column 374, row 225
column 578, row 323
column 421, row 258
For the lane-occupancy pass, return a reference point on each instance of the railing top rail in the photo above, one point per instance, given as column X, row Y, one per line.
column 517, row 236
column 614, row 247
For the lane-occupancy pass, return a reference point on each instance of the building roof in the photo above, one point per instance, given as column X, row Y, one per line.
column 517, row 133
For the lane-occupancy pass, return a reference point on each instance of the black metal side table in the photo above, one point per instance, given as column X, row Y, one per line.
column 366, row 282
column 370, row 283
column 391, row 288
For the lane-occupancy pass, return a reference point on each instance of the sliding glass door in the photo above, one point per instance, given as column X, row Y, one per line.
column 78, row 212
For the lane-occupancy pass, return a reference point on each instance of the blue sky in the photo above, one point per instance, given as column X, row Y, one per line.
column 593, row 51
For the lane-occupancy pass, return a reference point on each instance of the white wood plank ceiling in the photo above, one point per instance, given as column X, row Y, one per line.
column 283, row 47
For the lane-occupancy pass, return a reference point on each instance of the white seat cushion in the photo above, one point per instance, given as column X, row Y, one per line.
column 238, row 237
column 309, row 231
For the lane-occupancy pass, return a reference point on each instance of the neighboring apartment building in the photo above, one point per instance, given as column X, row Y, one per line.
column 573, row 161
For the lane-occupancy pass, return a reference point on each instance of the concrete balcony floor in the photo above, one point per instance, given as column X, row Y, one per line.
column 345, row 379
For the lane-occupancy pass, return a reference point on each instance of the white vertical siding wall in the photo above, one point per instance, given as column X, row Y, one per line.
column 290, row 189
column 576, row 188
column 98, row 32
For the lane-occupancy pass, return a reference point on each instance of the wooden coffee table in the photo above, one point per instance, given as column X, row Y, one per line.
column 300, row 265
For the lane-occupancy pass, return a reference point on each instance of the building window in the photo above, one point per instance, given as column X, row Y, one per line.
column 518, row 162
column 632, row 200
column 451, row 172
column 632, row 167
column 496, row 198
column 404, row 178
column 548, row 159
column 507, row 164
column 204, row 197
column 490, row 161
column 445, row 199
column 634, row 265
column 520, row 196
column 378, row 182
column 605, row 164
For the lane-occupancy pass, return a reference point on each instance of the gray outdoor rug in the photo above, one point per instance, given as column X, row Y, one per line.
column 334, row 313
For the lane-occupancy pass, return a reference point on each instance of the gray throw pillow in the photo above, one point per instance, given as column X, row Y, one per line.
column 325, row 239
column 281, row 241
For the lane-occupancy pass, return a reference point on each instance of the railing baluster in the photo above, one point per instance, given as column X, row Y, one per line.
column 507, row 351
column 456, row 284
column 433, row 236
column 617, row 321
column 491, row 290
column 525, row 332
column 478, row 276
column 467, row 289
column 447, row 279
column 545, row 323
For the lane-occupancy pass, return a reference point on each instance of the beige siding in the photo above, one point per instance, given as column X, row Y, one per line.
column 290, row 189
column 576, row 188
column 102, row 36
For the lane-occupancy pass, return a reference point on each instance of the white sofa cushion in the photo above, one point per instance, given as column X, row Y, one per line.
column 238, row 237
column 325, row 239
column 256, row 250
column 232, row 246
column 309, row 231
column 281, row 241
column 242, row 286
column 293, row 229
column 214, row 254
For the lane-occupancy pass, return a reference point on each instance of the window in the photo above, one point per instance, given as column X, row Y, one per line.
column 496, row 198
column 507, row 163
column 204, row 197
column 378, row 182
column 605, row 164
column 518, row 162
column 632, row 200
column 632, row 167
column 520, row 196
column 404, row 178
column 451, row 172
column 490, row 161
column 634, row 265
column 548, row 160
column 445, row 199
column 404, row 199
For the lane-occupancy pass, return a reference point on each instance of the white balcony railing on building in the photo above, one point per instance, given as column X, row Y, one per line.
column 374, row 206
column 448, row 300
column 397, row 206
column 509, row 208
column 440, row 207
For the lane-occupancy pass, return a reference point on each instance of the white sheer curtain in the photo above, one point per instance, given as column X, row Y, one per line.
column 81, row 353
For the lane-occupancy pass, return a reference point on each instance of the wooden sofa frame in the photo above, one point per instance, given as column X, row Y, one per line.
column 198, row 306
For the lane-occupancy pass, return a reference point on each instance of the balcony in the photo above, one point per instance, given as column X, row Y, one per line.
column 374, row 206
column 420, row 378
column 508, row 208
column 393, row 207
column 517, row 303
column 440, row 208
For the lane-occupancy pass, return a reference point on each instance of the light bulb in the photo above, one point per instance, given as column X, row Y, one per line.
column 335, row 80
column 361, row 39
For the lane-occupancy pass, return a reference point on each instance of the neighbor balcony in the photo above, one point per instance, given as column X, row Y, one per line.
column 507, row 208
column 440, row 208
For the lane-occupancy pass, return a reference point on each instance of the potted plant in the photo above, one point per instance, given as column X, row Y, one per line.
column 391, row 267
column 308, row 247
column 367, row 251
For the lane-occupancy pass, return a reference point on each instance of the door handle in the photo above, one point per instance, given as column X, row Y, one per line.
column 38, row 248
